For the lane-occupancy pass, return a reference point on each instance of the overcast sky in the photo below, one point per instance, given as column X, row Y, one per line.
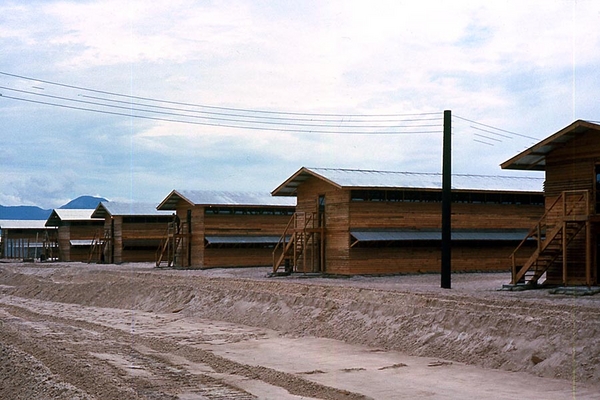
column 76, row 77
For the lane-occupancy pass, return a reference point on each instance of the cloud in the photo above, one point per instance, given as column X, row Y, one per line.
column 527, row 67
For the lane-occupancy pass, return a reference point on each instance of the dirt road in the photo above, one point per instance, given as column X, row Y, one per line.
column 80, row 331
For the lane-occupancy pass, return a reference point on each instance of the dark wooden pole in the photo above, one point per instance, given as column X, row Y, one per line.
column 447, row 201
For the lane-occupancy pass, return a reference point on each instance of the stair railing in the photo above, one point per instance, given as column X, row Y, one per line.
column 295, row 230
column 539, row 230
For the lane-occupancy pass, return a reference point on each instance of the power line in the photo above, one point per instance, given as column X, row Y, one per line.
column 487, row 137
column 258, row 116
column 268, row 122
column 237, row 120
column 498, row 129
column 481, row 141
column 244, row 118
column 240, row 118
column 491, row 132
column 218, row 125
column 208, row 106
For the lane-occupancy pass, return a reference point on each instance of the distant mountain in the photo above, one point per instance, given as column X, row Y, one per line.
column 24, row 212
column 34, row 212
column 84, row 202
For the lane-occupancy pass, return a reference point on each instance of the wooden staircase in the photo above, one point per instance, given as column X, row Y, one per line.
column 560, row 232
column 50, row 247
column 172, row 245
column 98, row 245
column 300, row 248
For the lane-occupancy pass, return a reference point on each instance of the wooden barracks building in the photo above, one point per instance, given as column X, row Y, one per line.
column 76, row 232
column 567, row 235
column 374, row 222
column 26, row 239
column 223, row 229
column 132, row 232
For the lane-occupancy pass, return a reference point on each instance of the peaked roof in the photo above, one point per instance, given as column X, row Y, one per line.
column 534, row 158
column 366, row 179
column 215, row 198
column 22, row 224
column 70, row 214
column 115, row 208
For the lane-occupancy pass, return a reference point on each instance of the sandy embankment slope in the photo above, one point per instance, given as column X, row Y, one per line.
column 132, row 331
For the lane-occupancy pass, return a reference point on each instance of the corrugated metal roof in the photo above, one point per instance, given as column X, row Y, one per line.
column 241, row 239
column 366, row 179
column 218, row 198
column 436, row 235
column 22, row 224
column 66, row 214
column 534, row 158
column 115, row 208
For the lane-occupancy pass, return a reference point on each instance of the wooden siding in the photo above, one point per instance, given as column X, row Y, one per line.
column 422, row 258
column 572, row 167
column 407, row 258
column 146, row 235
column 343, row 215
column 575, row 175
column 241, row 225
column 237, row 257
column 68, row 231
column 337, row 215
column 117, row 236
column 204, row 225
column 415, row 215
column 64, row 244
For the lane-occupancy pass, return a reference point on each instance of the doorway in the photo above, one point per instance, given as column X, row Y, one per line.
column 597, row 188
column 321, row 235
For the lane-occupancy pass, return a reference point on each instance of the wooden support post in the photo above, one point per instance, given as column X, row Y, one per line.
column 514, row 269
column 187, row 240
column 588, row 253
column 564, row 251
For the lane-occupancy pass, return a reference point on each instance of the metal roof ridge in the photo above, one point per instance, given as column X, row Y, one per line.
column 315, row 169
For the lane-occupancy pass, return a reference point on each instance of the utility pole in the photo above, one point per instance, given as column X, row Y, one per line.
column 447, row 201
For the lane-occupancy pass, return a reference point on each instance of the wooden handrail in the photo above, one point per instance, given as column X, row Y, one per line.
column 283, row 245
column 281, row 242
column 537, row 228
column 540, row 226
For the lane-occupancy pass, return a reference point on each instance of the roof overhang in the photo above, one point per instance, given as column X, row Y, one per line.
column 346, row 179
column 23, row 224
column 534, row 158
column 135, row 209
column 100, row 211
column 63, row 215
column 224, row 199
column 172, row 200
column 290, row 186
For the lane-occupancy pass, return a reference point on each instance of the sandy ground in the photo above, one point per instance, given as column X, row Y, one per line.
column 85, row 331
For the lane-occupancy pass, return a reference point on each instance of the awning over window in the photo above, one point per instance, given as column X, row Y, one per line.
column 241, row 240
column 436, row 235
column 82, row 242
